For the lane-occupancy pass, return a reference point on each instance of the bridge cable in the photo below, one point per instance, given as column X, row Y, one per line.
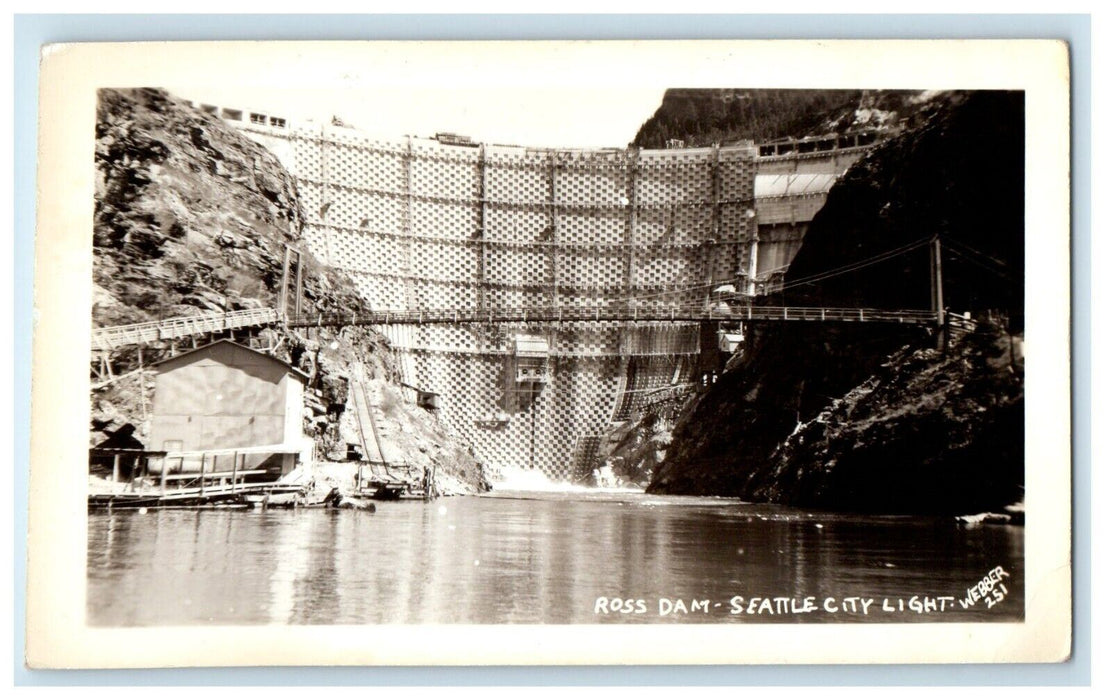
column 959, row 256
column 856, row 265
column 853, row 267
column 693, row 288
column 954, row 246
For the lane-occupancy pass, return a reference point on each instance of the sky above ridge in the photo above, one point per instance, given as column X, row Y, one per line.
column 557, row 116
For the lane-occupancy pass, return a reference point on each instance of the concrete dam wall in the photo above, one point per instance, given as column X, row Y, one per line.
column 445, row 223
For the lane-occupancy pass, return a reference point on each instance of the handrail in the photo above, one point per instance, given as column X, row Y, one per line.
column 107, row 338
column 623, row 313
column 111, row 337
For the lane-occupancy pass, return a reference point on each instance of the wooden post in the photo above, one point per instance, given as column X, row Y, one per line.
column 116, row 468
column 203, row 475
column 297, row 289
column 945, row 330
column 936, row 280
column 142, row 385
column 936, row 291
column 283, row 298
column 235, row 464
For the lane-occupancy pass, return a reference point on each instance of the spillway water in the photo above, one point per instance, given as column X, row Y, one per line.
column 544, row 556
column 511, row 480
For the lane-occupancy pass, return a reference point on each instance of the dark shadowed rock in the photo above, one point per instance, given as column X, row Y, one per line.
column 863, row 417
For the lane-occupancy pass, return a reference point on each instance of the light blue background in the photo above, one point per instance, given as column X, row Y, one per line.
column 31, row 31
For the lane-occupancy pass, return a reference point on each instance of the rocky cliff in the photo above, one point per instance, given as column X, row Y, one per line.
column 871, row 418
column 925, row 433
column 191, row 216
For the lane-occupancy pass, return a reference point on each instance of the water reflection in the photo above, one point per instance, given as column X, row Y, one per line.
column 545, row 559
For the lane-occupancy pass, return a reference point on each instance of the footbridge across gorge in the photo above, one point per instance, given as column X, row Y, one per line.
column 724, row 313
column 112, row 337
column 539, row 385
column 630, row 311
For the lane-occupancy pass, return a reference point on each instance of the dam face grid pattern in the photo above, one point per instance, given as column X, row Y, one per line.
column 416, row 223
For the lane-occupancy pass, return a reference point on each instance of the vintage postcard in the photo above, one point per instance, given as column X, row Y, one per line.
column 551, row 353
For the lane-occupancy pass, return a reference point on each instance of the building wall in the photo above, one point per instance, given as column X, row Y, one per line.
column 421, row 224
column 292, row 433
column 223, row 398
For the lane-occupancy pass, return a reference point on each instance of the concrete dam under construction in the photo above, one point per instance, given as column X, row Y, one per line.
column 447, row 223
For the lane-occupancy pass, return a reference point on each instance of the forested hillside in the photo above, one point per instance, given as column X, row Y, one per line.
column 702, row 117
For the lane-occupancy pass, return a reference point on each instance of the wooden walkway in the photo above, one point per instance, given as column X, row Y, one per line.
column 622, row 314
column 112, row 337
column 228, row 495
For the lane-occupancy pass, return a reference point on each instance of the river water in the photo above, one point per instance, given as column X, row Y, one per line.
column 546, row 557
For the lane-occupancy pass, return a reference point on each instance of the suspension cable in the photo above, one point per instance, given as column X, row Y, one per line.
column 953, row 245
column 860, row 264
column 959, row 256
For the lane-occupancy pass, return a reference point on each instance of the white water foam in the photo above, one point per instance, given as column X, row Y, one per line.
column 516, row 479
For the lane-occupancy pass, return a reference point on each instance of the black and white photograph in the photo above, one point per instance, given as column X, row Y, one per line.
column 737, row 356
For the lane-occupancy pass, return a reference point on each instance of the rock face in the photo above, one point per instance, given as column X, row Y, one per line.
column 191, row 216
column 633, row 450
column 926, row 433
column 867, row 418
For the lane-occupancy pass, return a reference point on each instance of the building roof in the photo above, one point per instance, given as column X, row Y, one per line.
column 242, row 348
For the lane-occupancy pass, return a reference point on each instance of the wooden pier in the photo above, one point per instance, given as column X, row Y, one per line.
column 164, row 479
column 226, row 496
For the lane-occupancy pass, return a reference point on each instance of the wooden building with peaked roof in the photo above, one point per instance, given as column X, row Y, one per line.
column 225, row 396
